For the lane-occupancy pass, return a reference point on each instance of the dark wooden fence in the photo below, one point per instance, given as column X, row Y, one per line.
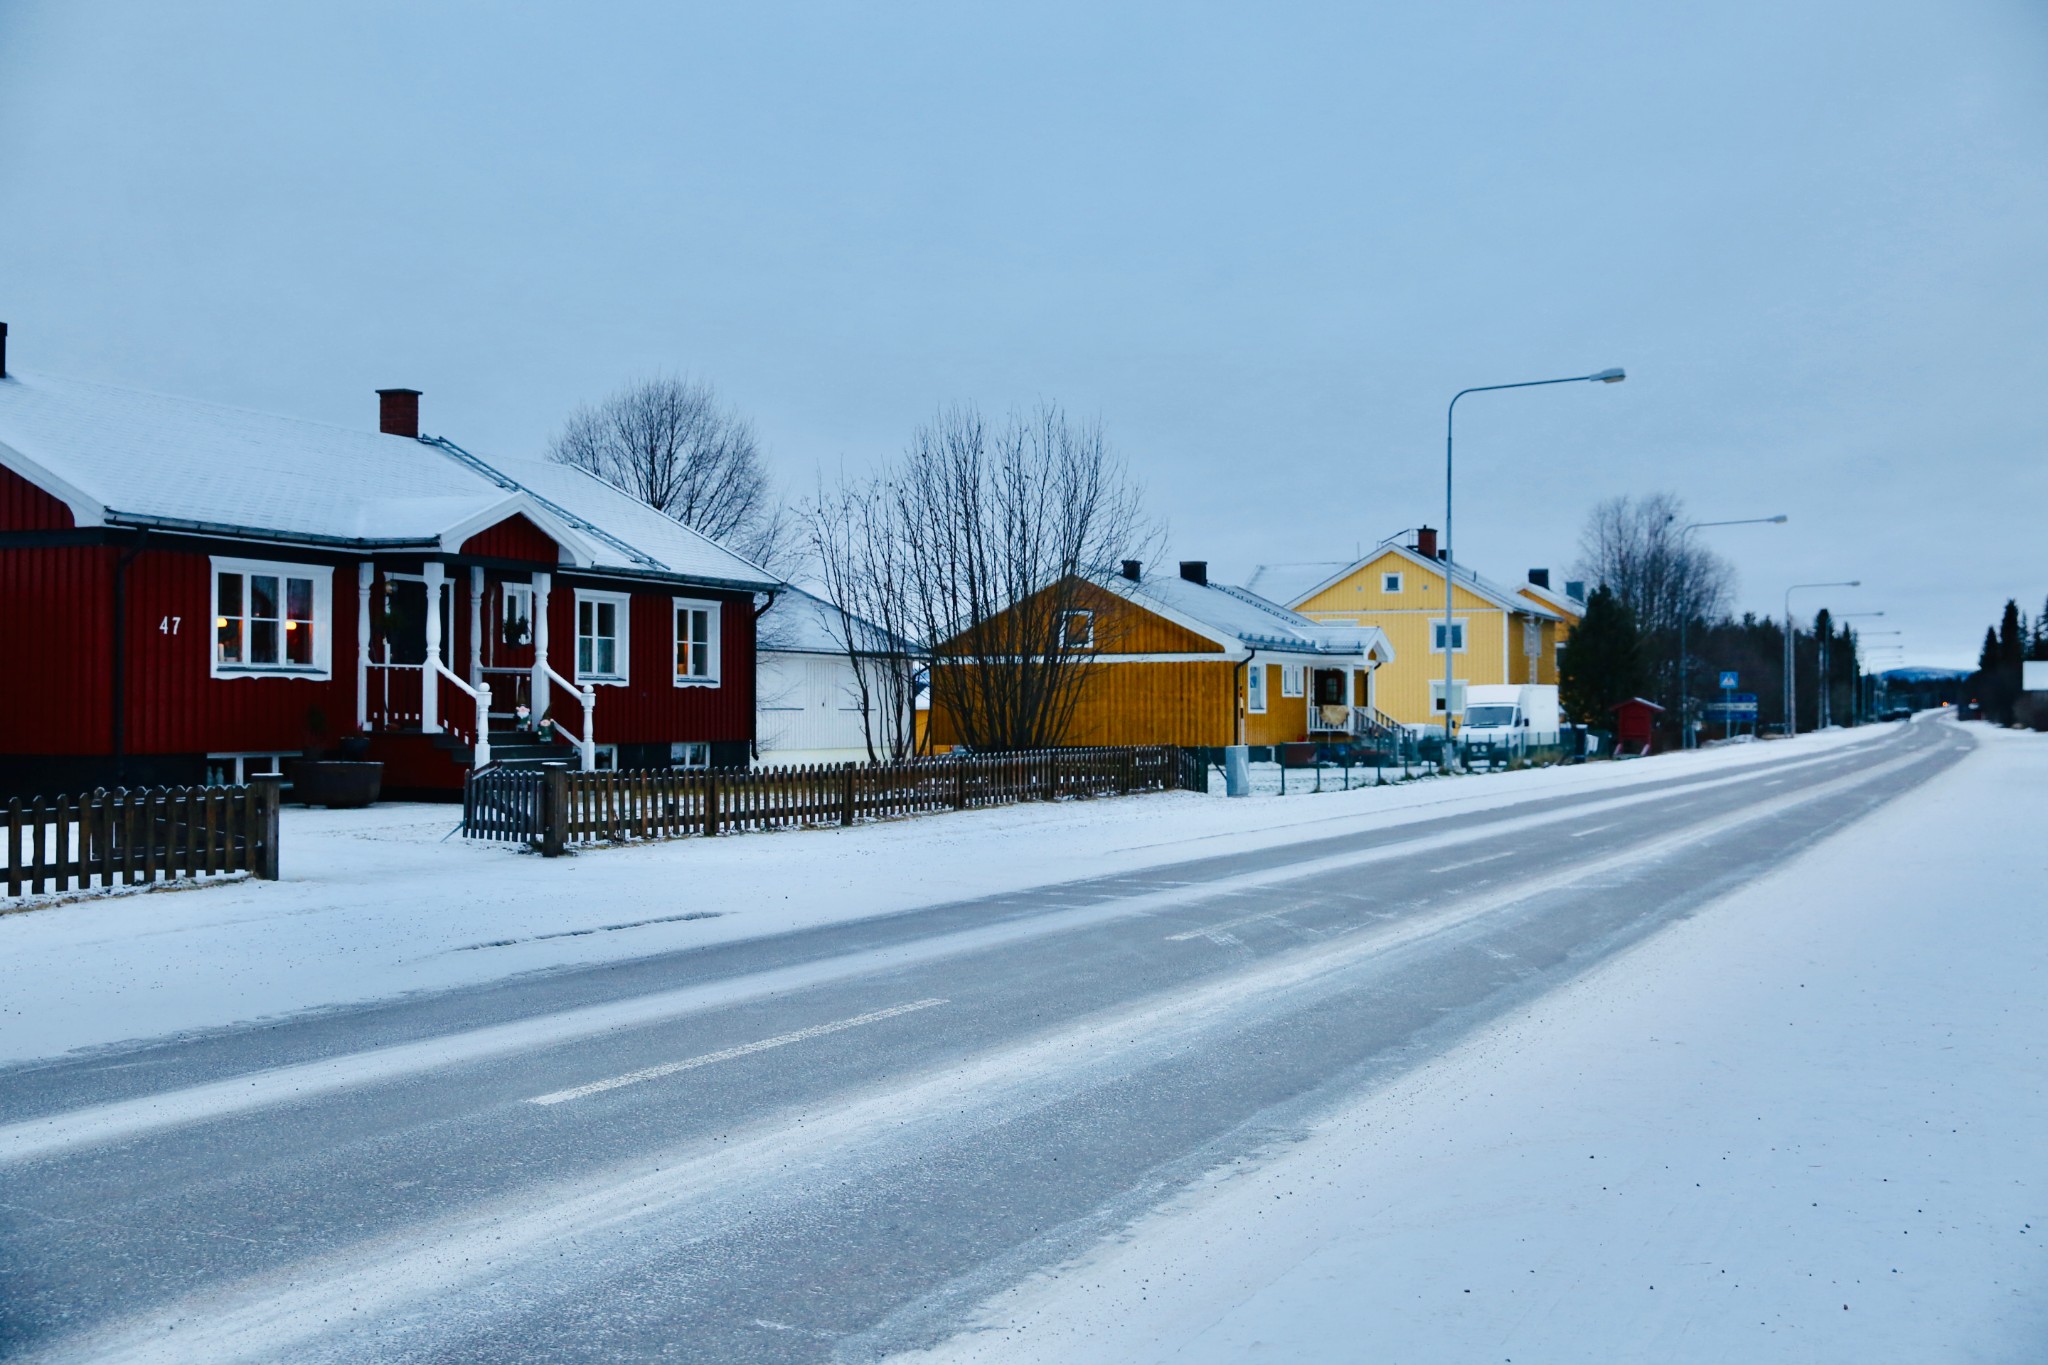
column 131, row 836
column 554, row 807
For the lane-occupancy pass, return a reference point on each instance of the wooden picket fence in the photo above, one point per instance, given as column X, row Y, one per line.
column 135, row 835
column 554, row 807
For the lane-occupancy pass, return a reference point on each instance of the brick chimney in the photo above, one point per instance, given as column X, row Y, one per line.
column 1195, row 571
column 398, row 412
column 1133, row 570
column 1425, row 541
column 1540, row 577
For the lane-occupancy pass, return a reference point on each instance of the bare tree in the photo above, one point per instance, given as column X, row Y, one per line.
column 1640, row 548
column 859, row 559
column 994, row 544
column 669, row 442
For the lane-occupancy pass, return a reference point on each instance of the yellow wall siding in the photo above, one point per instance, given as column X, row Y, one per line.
column 1141, row 703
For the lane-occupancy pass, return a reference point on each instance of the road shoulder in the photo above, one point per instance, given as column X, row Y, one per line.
column 1800, row 1125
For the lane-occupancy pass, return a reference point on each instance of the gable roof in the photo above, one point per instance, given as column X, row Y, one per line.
column 122, row 457
column 1241, row 619
column 799, row 622
column 1299, row 586
column 1570, row 607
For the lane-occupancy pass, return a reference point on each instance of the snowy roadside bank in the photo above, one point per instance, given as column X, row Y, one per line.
column 373, row 904
column 1802, row 1125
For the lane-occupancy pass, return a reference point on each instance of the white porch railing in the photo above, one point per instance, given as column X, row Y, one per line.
column 481, row 696
column 586, row 747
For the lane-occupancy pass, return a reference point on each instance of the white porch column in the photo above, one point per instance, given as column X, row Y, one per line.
column 541, row 582
column 366, row 574
column 430, row 681
column 476, row 627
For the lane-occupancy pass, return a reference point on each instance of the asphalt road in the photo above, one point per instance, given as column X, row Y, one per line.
column 829, row 1144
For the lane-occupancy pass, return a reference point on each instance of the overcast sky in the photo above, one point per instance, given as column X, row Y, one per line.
column 1263, row 245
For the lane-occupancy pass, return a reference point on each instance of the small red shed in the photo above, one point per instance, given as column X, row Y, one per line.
column 1635, row 725
column 191, row 592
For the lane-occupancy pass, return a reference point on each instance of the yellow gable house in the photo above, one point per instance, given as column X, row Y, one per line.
column 1498, row 634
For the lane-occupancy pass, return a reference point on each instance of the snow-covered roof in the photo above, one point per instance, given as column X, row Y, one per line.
column 1293, row 582
column 1557, row 601
column 1299, row 581
column 122, row 457
column 800, row 623
column 1238, row 617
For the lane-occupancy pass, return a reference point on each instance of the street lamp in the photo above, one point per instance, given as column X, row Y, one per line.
column 1613, row 376
column 1685, row 613
column 1791, row 655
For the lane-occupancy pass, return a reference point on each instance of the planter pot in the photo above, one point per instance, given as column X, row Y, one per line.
column 337, row 784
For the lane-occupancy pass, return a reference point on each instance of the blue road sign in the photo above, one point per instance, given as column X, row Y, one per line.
column 1733, row 710
column 1729, row 682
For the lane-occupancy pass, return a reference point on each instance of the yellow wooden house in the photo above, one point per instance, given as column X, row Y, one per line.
column 1177, row 659
column 1498, row 634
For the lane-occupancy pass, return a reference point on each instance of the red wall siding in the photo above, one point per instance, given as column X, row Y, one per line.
column 176, row 706
column 55, row 614
column 25, row 507
column 513, row 538
column 653, row 709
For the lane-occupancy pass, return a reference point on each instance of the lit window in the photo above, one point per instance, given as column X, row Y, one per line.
column 696, row 643
column 270, row 618
column 601, row 636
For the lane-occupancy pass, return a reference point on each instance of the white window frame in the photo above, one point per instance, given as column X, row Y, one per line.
column 1458, row 694
column 1461, row 634
column 511, row 594
column 1390, row 582
column 623, row 654
column 677, row 606
column 689, row 754
column 1087, row 640
column 322, row 578
column 1255, row 689
column 1293, row 680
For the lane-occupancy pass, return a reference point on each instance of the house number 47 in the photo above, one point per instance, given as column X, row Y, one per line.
column 169, row 625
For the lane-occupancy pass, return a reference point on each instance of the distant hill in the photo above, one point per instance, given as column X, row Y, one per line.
column 1923, row 675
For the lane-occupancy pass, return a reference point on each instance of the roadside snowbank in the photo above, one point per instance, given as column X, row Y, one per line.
column 1802, row 1125
column 375, row 904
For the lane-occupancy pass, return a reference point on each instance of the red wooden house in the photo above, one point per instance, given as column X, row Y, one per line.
column 194, row 592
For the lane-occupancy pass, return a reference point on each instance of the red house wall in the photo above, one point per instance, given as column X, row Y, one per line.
column 175, row 705
column 55, row 617
column 513, row 538
column 652, row 709
column 25, row 507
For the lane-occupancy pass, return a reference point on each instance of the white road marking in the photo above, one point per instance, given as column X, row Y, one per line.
column 1597, row 829
column 1213, row 930
column 280, row 1314
column 119, row 1120
column 651, row 1073
column 1474, row 862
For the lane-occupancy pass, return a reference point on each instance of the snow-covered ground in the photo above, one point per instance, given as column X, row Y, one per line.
column 375, row 904
column 1804, row 1125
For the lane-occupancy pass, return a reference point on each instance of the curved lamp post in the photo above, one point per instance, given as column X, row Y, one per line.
column 1614, row 376
column 1792, row 655
column 1684, row 663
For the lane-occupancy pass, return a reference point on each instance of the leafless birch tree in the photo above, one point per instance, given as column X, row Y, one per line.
column 670, row 443
column 858, row 557
column 1001, row 541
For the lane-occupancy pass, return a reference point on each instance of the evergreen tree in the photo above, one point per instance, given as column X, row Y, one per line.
column 2039, row 648
column 1987, row 657
column 1602, row 662
column 2012, row 636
